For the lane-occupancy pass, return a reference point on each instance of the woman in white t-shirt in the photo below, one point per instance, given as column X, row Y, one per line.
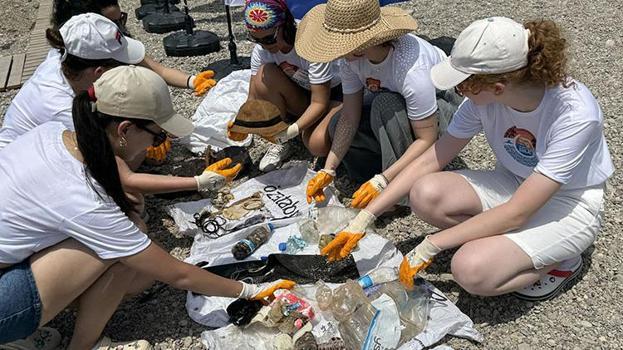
column 521, row 227
column 68, row 233
column 391, row 112
column 307, row 93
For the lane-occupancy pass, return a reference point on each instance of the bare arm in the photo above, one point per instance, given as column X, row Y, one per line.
column 320, row 95
column 150, row 183
column 158, row 264
column 425, row 131
column 531, row 195
column 345, row 130
column 433, row 159
column 172, row 76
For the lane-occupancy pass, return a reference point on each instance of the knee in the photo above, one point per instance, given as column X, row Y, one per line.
column 317, row 146
column 425, row 196
column 121, row 272
column 470, row 270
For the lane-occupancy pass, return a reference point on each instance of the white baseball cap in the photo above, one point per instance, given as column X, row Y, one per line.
column 139, row 93
column 492, row 45
column 95, row 37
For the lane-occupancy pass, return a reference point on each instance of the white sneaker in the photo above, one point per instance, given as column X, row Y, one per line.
column 106, row 344
column 553, row 282
column 44, row 338
column 275, row 155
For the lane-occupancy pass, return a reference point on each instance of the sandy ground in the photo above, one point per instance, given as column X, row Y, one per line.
column 586, row 316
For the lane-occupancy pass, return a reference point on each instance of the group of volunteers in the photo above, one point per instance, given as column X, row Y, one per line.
column 360, row 88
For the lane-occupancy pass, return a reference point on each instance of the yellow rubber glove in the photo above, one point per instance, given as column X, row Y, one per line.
column 202, row 82
column 315, row 186
column 157, row 155
column 235, row 136
column 368, row 191
column 345, row 241
column 417, row 260
column 255, row 292
column 216, row 175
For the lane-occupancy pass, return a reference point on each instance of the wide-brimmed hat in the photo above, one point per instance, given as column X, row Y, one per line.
column 259, row 117
column 332, row 30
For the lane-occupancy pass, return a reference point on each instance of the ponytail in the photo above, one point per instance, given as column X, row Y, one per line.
column 96, row 150
column 547, row 60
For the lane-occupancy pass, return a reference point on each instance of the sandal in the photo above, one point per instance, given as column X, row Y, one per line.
column 551, row 284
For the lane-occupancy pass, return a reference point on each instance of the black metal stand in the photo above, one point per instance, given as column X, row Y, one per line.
column 233, row 55
column 190, row 42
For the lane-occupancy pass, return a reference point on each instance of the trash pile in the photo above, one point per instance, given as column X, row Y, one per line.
column 265, row 231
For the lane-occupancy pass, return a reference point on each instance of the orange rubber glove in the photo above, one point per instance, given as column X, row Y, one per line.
column 315, row 186
column 345, row 241
column 417, row 260
column 202, row 82
column 235, row 136
column 157, row 155
column 216, row 175
column 255, row 292
column 368, row 191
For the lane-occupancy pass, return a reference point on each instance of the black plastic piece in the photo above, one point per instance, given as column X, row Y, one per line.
column 147, row 2
column 198, row 43
column 164, row 22
column 149, row 9
column 242, row 311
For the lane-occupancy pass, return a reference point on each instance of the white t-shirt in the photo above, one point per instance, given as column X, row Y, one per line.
column 301, row 71
column 562, row 139
column 405, row 70
column 45, row 96
column 45, row 199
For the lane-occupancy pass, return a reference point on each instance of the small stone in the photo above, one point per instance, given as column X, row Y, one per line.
column 551, row 342
column 610, row 43
column 188, row 341
column 523, row 346
column 586, row 324
column 183, row 323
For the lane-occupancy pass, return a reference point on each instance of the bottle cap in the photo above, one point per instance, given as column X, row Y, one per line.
column 283, row 246
column 271, row 227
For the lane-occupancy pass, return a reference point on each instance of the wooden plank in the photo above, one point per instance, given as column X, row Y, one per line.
column 15, row 78
column 5, row 68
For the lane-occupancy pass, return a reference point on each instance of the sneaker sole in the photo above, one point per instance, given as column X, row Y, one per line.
column 553, row 293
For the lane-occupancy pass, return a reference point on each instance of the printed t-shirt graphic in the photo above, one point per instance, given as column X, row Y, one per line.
column 521, row 145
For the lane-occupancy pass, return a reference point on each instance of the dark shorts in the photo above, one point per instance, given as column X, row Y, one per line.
column 20, row 305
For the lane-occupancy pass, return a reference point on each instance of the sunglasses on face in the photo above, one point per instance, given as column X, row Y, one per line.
column 266, row 40
column 122, row 20
column 159, row 137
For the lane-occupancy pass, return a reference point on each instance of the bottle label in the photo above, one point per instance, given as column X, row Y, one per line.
column 249, row 244
column 365, row 281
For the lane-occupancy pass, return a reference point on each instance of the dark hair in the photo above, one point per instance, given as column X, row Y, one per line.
column 547, row 60
column 289, row 28
column 65, row 9
column 95, row 147
column 73, row 66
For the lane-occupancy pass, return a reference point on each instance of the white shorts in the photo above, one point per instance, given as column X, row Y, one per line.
column 562, row 229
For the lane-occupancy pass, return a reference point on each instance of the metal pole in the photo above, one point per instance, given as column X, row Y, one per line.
column 233, row 56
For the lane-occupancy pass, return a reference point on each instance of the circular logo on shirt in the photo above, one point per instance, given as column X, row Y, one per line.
column 374, row 85
column 288, row 68
column 521, row 145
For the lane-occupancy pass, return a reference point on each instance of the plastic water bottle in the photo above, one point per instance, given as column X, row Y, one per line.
column 309, row 231
column 377, row 276
column 353, row 311
column 254, row 240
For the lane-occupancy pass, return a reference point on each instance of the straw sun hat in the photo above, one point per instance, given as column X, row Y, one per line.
column 332, row 30
column 259, row 117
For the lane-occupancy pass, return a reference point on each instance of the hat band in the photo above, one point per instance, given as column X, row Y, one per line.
column 351, row 30
column 258, row 124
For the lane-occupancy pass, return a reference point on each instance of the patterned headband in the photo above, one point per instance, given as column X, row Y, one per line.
column 264, row 14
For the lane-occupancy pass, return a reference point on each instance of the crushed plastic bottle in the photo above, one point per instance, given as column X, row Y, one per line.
column 354, row 312
column 309, row 231
column 324, row 295
column 254, row 240
column 295, row 244
column 379, row 275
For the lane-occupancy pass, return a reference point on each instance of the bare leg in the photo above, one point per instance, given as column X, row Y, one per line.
column 444, row 199
column 317, row 139
column 494, row 266
column 271, row 84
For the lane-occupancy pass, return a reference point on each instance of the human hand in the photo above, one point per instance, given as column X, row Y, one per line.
column 315, row 186
column 368, row 191
column 345, row 241
column 157, row 155
column 216, row 175
column 255, row 292
column 235, row 136
column 417, row 260
column 202, row 82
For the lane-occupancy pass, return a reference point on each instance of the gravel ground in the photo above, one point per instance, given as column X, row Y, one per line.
column 583, row 317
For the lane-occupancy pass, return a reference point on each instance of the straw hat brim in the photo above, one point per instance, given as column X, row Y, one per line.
column 259, row 117
column 316, row 43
